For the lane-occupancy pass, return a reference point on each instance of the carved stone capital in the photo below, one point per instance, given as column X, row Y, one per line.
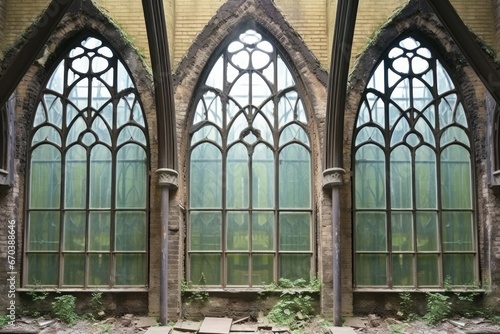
column 333, row 177
column 167, row 178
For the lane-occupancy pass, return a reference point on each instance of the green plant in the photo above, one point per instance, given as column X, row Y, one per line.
column 96, row 303
column 192, row 293
column 4, row 320
column 295, row 304
column 438, row 308
column 406, row 306
column 398, row 328
column 37, row 299
column 64, row 308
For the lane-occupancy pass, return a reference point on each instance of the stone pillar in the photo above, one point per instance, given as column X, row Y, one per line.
column 167, row 180
column 332, row 180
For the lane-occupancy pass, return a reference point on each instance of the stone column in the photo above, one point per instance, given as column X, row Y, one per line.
column 167, row 180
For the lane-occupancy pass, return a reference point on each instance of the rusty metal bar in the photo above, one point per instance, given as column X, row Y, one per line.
column 479, row 60
column 35, row 41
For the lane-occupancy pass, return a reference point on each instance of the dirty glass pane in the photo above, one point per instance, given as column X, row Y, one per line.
column 370, row 178
column 370, row 269
column 295, row 177
column 45, row 182
column 371, row 231
column 130, row 231
column 401, row 178
column 263, row 231
column 100, row 177
column 206, row 177
column 402, row 269
column 98, row 269
column 457, row 231
column 205, row 230
column 43, row 269
column 459, row 268
column 294, row 231
column 237, row 177
column 99, row 231
column 237, row 231
column 263, row 177
column 262, row 269
column 427, row 270
column 425, row 178
column 402, row 231
column 205, row 269
column 237, row 269
column 427, row 231
column 76, row 177
column 131, row 269
column 74, row 269
column 74, row 230
column 131, row 177
column 456, row 178
column 43, row 231
column 295, row 266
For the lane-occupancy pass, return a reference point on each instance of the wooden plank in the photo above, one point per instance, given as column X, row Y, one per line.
column 159, row 330
column 187, row 326
column 252, row 328
column 215, row 326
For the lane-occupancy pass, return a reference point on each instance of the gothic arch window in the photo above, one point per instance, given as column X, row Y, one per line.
column 87, row 186
column 414, row 204
column 250, row 203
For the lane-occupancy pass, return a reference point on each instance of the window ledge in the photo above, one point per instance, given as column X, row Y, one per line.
column 418, row 290
column 245, row 290
column 39, row 289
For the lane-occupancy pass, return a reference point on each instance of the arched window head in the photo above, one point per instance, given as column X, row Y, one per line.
column 414, row 222
column 250, row 205
column 88, row 176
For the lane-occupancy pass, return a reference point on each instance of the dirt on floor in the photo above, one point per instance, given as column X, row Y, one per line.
column 372, row 324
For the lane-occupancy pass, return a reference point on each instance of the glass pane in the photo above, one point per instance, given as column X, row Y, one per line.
column 369, row 133
column 131, row 133
column 370, row 269
column 74, row 269
column 427, row 270
column 295, row 231
column 131, row 177
column 263, row 177
column 401, row 178
column 260, row 89
column 402, row 231
column 295, row 266
column 237, row 231
column 43, row 269
column 263, row 231
column 206, row 177
column 237, row 177
column 98, row 269
column 427, row 231
column 205, row 230
column 262, row 269
column 237, row 269
column 46, row 133
column 295, row 177
column 205, row 269
column 74, row 231
column 240, row 90
column 207, row 132
column 76, row 177
column 45, row 182
column 370, row 178
column 457, row 231
column 131, row 269
column 456, row 178
column 425, row 178
column 99, row 230
column 100, row 177
column 454, row 134
column 286, row 108
column 459, row 269
column 371, row 231
column 293, row 132
column 402, row 269
column 43, row 231
column 130, row 231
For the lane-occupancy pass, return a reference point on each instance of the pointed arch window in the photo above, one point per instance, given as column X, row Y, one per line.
column 414, row 207
column 88, row 176
column 250, row 203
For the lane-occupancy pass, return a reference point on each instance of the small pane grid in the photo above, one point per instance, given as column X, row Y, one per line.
column 413, row 199
column 88, row 185
column 250, row 206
